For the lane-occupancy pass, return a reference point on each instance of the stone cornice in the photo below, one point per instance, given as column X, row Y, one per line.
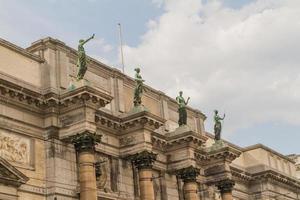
column 226, row 153
column 21, row 51
column 143, row 119
column 85, row 93
column 39, row 102
column 277, row 177
column 267, row 174
column 241, row 174
column 164, row 142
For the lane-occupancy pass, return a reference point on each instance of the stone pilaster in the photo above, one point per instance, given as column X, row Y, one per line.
column 85, row 147
column 225, row 188
column 144, row 162
column 190, row 186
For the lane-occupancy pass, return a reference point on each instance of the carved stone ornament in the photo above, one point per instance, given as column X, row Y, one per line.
column 144, row 159
column 85, row 141
column 34, row 101
column 225, row 185
column 188, row 174
column 9, row 175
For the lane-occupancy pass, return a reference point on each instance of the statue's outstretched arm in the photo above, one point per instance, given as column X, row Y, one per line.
column 223, row 117
column 89, row 39
column 187, row 101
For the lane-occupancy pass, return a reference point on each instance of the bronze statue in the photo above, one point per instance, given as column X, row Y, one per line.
column 218, row 125
column 182, row 109
column 82, row 60
column 139, row 87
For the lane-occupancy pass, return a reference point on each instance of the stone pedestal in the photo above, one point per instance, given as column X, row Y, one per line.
column 225, row 188
column 190, row 187
column 85, row 146
column 144, row 162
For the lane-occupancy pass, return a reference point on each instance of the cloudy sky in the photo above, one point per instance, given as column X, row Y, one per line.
column 241, row 57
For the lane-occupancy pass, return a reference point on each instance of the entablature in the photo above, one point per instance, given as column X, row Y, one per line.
column 44, row 103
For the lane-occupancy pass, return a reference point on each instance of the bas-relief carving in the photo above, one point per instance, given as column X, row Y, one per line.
column 69, row 119
column 15, row 148
column 108, row 181
column 128, row 140
column 104, row 181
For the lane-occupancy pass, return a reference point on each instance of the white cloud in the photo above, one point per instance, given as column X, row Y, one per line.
column 244, row 61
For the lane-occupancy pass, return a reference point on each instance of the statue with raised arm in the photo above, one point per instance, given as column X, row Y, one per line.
column 218, row 125
column 182, row 109
column 82, row 60
column 139, row 87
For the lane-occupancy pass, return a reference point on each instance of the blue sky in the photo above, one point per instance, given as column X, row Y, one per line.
column 238, row 56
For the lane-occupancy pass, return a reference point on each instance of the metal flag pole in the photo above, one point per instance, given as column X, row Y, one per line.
column 121, row 47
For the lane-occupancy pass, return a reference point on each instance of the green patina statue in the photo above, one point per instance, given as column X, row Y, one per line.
column 139, row 88
column 218, row 125
column 182, row 109
column 82, row 60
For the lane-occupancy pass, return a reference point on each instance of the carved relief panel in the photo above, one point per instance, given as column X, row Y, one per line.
column 15, row 148
column 108, row 180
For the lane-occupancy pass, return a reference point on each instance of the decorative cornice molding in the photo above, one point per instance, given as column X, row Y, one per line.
column 277, row 177
column 226, row 153
column 241, row 174
column 267, row 174
column 39, row 102
column 143, row 119
column 163, row 142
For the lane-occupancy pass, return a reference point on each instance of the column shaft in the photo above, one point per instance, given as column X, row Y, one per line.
column 190, row 190
column 227, row 196
column 146, row 184
column 190, row 186
column 85, row 147
column 144, row 162
column 87, row 178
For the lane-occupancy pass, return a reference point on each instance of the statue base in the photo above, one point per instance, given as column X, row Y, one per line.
column 77, row 84
column 139, row 108
column 219, row 144
column 180, row 130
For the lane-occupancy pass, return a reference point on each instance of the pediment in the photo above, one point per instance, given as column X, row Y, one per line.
column 9, row 175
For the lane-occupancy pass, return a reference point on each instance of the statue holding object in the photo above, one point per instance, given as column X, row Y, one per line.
column 82, row 60
column 218, row 125
column 139, row 88
column 182, row 109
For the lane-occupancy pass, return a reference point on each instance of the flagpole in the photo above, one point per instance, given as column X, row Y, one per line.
column 121, row 47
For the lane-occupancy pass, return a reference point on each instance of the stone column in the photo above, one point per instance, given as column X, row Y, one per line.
column 225, row 188
column 190, row 186
column 144, row 162
column 85, row 147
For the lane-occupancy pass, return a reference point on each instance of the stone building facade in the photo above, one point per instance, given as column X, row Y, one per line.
column 86, row 143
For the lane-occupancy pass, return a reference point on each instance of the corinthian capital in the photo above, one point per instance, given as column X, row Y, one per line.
column 85, row 141
column 188, row 174
column 144, row 159
column 225, row 185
